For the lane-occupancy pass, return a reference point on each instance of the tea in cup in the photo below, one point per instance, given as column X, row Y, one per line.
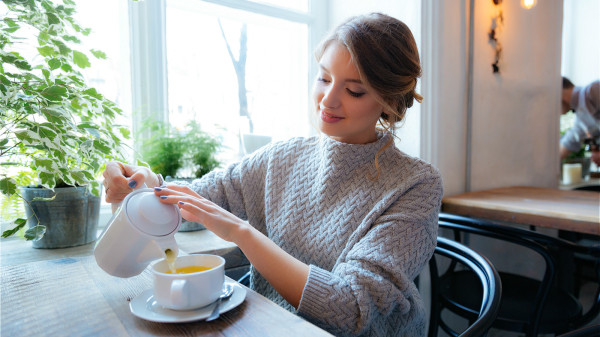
column 197, row 281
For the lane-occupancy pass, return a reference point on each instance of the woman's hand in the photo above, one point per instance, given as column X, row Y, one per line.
column 268, row 258
column 120, row 179
column 195, row 208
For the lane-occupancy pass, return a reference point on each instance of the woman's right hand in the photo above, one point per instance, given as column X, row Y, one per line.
column 120, row 179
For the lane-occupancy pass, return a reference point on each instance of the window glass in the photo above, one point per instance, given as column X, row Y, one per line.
column 109, row 76
column 203, row 81
column 297, row 5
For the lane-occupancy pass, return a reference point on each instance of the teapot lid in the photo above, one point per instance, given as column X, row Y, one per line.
column 151, row 216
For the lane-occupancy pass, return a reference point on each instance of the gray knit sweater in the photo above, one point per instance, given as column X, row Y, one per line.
column 365, row 239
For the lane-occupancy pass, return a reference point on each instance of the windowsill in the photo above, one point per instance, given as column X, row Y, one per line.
column 15, row 250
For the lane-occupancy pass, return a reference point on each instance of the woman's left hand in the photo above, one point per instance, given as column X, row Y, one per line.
column 195, row 208
column 264, row 255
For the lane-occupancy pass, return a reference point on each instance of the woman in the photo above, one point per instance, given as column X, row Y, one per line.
column 336, row 227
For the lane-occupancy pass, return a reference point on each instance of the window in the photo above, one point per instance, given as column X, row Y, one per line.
column 192, row 46
column 236, row 72
column 111, row 75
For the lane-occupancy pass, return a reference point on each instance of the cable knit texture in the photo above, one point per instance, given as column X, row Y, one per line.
column 364, row 239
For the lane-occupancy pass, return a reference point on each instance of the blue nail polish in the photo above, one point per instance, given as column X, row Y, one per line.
column 163, row 196
column 132, row 184
column 158, row 189
column 181, row 202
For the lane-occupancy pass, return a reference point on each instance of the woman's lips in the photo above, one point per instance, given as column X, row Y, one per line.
column 329, row 118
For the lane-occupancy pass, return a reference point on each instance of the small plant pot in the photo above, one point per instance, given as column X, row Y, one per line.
column 187, row 226
column 71, row 219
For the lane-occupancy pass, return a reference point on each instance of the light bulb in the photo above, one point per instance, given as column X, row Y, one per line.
column 528, row 4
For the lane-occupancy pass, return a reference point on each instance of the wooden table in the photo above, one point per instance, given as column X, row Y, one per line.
column 567, row 210
column 72, row 296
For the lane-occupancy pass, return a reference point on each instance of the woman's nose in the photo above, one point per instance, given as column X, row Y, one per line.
column 330, row 98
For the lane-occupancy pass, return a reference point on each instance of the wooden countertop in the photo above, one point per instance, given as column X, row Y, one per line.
column 63, row 292
column 577, row 211
column 74, row 297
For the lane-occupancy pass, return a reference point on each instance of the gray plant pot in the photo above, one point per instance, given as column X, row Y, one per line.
column 187, row 226
column 71, row 219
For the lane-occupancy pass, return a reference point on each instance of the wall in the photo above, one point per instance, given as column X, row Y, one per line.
column 515, row 113
column 444, row 121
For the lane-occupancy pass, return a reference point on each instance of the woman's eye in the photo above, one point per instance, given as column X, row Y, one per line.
column 321, row 79
column 354, row 93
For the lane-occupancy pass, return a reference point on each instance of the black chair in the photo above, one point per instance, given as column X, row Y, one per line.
column 588, row 331
column 489, row 287
column 528, row 305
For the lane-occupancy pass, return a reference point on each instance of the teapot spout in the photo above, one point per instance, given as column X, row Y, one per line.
column 156, row 249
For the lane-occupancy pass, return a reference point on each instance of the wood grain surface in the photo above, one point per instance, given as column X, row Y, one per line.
column 576, row 211
column 73, row 297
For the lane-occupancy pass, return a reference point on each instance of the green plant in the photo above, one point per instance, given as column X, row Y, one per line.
column 163, row 149
column 52, row 124
column 201, row 150
column 169, row 151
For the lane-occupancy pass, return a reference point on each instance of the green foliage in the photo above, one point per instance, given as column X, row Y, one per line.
column 169, row 150
column 51, row 122
column 201, row 149
column 163, row 150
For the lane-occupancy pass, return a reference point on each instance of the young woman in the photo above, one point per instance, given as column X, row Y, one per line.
column 336, row 227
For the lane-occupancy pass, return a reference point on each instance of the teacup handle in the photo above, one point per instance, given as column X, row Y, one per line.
column 178, row 290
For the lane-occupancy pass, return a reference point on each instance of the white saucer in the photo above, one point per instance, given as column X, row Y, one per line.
column 145, row 307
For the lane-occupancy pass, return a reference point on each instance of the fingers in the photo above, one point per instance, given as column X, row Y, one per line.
column 177, row 190
column 115, row 182
column 138, row 178
column 182, row 195
column 192, row 212
column 120, row 179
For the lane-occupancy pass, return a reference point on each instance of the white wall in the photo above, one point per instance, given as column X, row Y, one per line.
column 515, row 113
column 409, row 12
column 443, row 126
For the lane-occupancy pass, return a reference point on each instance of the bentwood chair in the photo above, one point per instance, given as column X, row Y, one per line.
column 488, row 286
column 588, row 331
column 529, row 304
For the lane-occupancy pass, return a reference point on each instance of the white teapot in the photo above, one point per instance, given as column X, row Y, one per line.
column 140, row 231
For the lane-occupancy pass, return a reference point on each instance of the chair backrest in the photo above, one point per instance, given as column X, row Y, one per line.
column 535, row 241
column 490, row 282
column 588, row 331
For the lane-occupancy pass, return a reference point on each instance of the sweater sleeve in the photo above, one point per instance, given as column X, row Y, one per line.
column 375, row 278
column 239, row 188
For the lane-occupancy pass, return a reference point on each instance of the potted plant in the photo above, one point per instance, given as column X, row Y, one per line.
column 181, row 155
column 56, row 132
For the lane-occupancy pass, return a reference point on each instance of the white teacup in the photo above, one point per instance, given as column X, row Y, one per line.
column 190, row 290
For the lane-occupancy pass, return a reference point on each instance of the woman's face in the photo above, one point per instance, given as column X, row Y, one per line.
column 346, row 111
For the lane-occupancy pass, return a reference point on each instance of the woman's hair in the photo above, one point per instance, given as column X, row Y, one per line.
column 386, row 56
